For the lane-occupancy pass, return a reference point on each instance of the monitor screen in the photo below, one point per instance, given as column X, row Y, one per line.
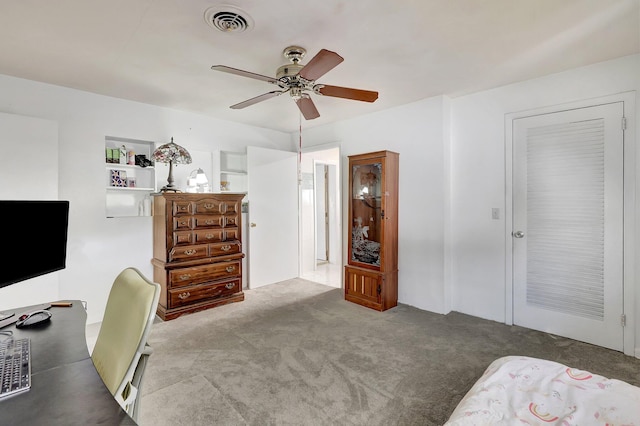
column 35, row 238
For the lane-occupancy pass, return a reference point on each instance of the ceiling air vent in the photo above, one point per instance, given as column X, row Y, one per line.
column 228, row 19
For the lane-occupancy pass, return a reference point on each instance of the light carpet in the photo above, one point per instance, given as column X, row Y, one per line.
column 297, row 353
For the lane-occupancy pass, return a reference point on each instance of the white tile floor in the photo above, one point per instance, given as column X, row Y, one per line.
column 326, row 273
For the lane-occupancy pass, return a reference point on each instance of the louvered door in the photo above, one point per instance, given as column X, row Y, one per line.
column 568, row 224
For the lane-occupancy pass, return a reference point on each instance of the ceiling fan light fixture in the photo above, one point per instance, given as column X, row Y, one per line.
column 296, row 93
column 228, row 19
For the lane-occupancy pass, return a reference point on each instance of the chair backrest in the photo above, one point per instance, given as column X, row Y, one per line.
column 125, row 327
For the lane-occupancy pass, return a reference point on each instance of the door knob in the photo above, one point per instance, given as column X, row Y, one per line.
column 518, row 234
column 253, row 225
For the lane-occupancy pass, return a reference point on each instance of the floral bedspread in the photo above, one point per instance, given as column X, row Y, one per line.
column 518, row 390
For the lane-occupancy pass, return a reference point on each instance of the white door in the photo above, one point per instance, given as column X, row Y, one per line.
column 568, row 224
column 273, row 215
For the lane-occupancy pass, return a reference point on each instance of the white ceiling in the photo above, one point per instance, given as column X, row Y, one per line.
column 160, row 51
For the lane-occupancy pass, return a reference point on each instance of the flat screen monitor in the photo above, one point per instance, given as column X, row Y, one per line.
column 35, row 238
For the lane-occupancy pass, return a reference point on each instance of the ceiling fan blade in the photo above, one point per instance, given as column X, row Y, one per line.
column 242, row 73
column 324, row 61
column 346, row 93
column 257, row 99
column 307, row 108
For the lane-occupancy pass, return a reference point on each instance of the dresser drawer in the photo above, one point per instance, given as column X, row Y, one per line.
column 208, row 236
column 231, row 208
column 207, row 206
column 231, row 234
column 182, row 207
column 230, row 220
column 221, row 249
column 208, row 221
column 204, row 273
column 183, row 237
column 188, row 252
column 201, row 292
column 182, row 222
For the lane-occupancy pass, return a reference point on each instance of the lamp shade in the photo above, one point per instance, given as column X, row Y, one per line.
column 201, row 178
column 171, row 153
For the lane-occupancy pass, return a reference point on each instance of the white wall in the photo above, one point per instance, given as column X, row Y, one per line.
column 416, row 132
column 478, row 175
column 21, row 167
column 99, row 248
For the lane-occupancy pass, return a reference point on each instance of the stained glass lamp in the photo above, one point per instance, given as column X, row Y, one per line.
column 171, row 153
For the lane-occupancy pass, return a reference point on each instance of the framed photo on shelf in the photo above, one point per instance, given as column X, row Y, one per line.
column 118, row 178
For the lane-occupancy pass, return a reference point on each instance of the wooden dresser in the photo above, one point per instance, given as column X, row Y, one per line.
column 197, row 251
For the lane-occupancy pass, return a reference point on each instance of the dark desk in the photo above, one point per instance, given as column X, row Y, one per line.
column 65, row 389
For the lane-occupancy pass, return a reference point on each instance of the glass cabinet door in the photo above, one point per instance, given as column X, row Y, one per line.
column 366, row 213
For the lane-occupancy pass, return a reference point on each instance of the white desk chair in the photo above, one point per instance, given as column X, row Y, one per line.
column 121, row 350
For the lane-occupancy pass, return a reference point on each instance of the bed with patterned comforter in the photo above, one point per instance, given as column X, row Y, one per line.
column 517, row 390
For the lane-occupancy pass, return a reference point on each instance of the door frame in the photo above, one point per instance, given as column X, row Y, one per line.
column 631, row 183
column 337, row 246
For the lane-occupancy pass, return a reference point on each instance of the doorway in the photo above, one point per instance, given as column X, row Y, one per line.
column 566, row 222
column 323, row 226
column 320, row 217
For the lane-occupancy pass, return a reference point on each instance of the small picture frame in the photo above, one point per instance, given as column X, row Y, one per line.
column 131, row 182
column 118, row 178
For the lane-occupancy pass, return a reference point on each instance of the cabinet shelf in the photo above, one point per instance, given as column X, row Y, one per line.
column 126, row 188
column 233, row 172
column 126, row 166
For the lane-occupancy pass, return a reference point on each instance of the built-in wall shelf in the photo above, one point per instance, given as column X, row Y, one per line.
column 233, row 171
column 129, row 177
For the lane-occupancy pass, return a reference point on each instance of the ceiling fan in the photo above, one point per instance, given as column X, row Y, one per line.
column 300, row 80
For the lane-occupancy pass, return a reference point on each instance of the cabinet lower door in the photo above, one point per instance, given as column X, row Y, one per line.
column 373, row 289
column 363, row 287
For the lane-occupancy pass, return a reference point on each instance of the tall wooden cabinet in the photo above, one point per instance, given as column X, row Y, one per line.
column 371, row 276
column 197, row 251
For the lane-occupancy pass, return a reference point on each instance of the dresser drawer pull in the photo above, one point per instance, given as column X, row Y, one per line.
column 184, row 277
column 209, row 236
column 209, row 221
column 190, row 252
column 183, row 223
column 208, row 206
column 225, row 247
column 229, row 286
column 230, row 268
column 184, row 295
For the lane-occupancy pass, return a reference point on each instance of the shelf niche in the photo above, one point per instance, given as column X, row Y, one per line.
column 128, row 186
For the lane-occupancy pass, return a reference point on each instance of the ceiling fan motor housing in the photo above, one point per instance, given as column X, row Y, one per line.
column 288, row 71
